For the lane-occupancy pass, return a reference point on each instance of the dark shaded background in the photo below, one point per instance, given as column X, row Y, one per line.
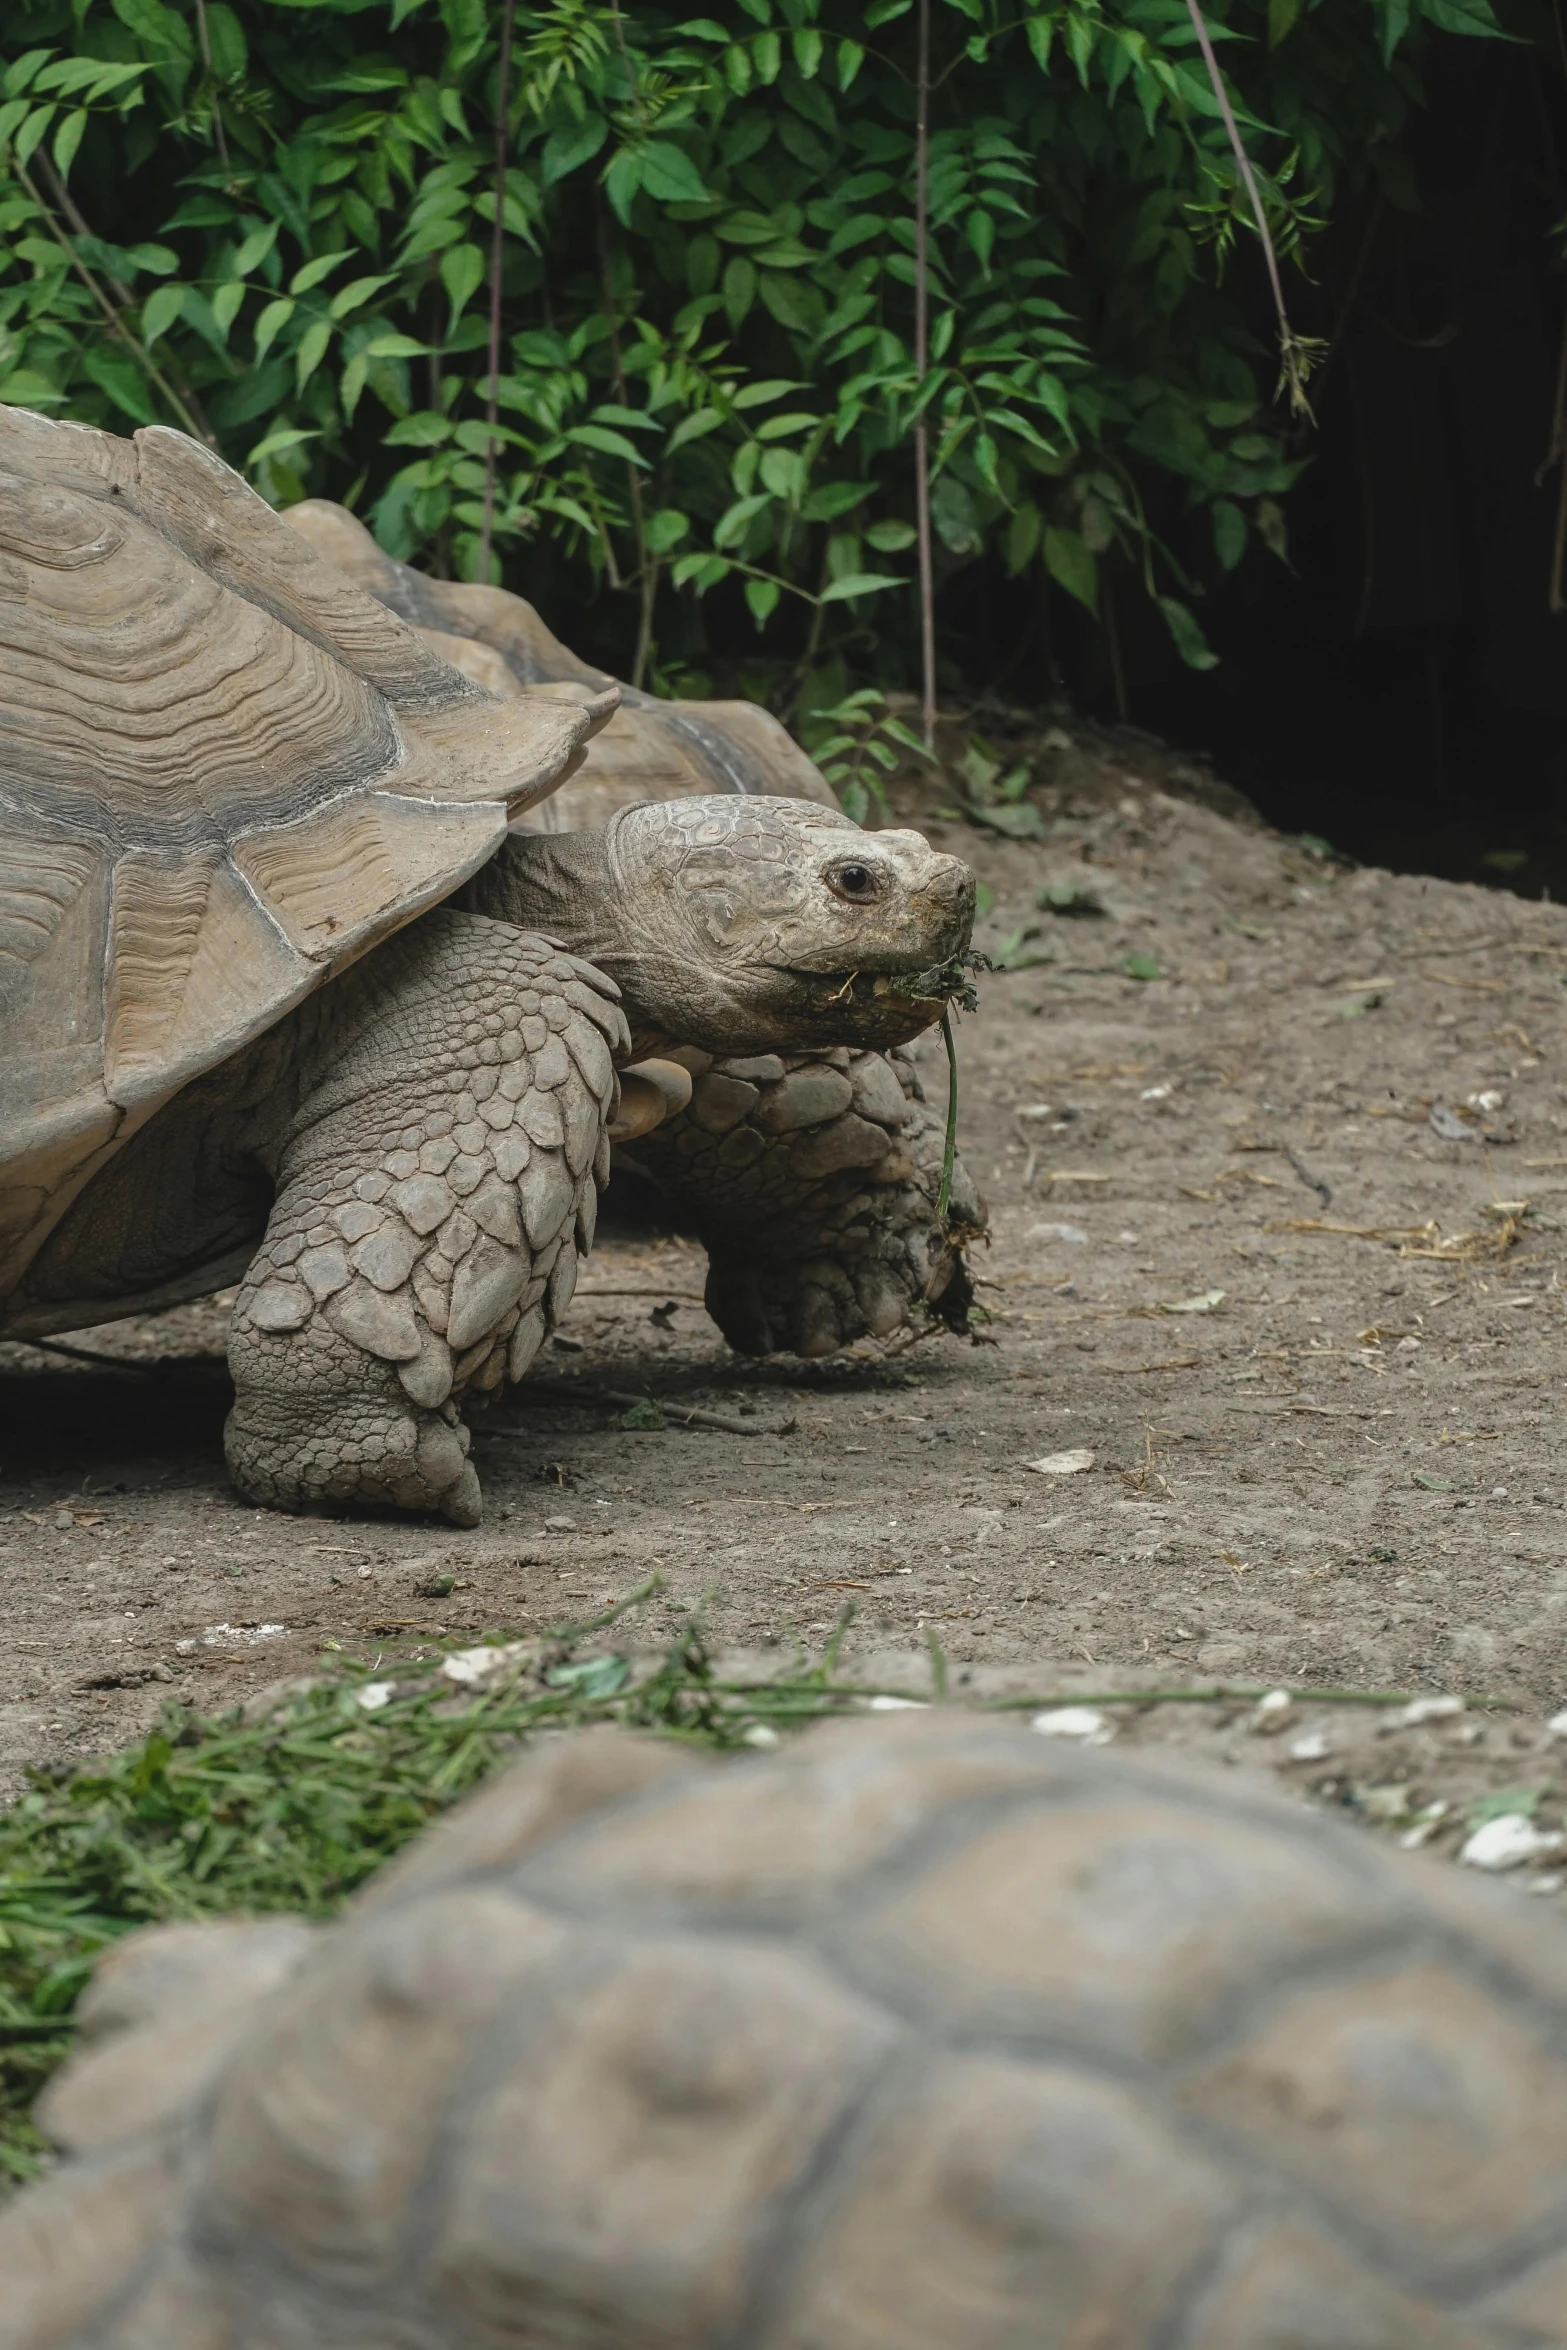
column 1402, row 688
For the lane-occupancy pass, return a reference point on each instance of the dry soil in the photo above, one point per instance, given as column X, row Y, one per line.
column 1276, row 1158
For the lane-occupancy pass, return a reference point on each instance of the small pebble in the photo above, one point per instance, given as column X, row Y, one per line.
column 1427, row 1709
column 882, row 1704
column 374, row 1695
column 1062, row 1464
column 1314, row 1747
column 1503, row 1843
column 560, row 1525
column 1074, row 1721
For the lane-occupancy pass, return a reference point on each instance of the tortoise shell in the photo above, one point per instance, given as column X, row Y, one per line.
column 225, row 772
column 649, row 750
column 924, row 2035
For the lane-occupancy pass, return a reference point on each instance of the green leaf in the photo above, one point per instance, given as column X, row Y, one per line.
column 574, row 144
column 833, row 499
column 807, row 46
column 427, row 430
column 354, row 295
column 66, row 141
column 268, row 326
column 1141, row 967
column 254, row 250
column 762, row 597
column 124, row 382
column 851, row 56
column 314, row 271
column 1069, row 562
column 286, row 437
column 1229, row 532
column 29, row 136
column 227, row 301
column 739, row 291
column 226, row 41
column 693, row 428
column 890, row 538
column 669, row 175
column 313, row 346
column 462, row 274
column 665, row 529
column 19, row 74
column 612, row 444
column 1473, row 17
column 860, row 583
column 1190, row 642
column 160, row 310
column 757, row 395
column 1282, row 15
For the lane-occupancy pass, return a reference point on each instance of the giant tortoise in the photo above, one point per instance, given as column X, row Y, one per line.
column 924, row 2035
column 811, row 1178
column 289, row 998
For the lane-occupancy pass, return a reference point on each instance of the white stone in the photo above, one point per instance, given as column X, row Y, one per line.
column 470, row 1668
column 1427, row 1709
column 1062, row 1464
column 1503, row 1843
column 1074, row 1721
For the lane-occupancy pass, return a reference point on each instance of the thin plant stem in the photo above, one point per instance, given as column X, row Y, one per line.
column 1295, row 352
column 497, row 262
column 647, row 577
column 112, row 317
column 927, row 575
column 949, row 1153
column 219, row 139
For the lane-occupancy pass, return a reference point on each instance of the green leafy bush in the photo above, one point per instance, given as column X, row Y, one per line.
column 273, row 223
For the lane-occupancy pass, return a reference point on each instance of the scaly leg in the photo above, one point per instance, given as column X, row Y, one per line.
column 813, row 1183
column 435, row 1185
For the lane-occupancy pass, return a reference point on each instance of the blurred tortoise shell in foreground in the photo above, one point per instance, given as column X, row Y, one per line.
column 918, row 2036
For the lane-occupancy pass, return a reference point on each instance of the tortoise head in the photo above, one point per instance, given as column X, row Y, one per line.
column 753, row 924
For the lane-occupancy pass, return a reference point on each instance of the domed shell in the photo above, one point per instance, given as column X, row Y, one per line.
column 924, row 2035
column 651, row 749
column 225, row 772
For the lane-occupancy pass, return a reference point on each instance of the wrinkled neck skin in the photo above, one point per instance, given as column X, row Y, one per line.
column 565, row 885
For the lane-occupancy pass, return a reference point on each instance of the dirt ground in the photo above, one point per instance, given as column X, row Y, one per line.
column 1277, row 1239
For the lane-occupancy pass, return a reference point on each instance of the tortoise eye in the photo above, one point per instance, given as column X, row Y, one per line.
column 855, row 882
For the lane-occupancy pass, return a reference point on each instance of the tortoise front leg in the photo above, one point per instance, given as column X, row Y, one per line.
column 813, row 1181
column 436, row 1183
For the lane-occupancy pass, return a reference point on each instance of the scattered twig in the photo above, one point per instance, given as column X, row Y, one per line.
column 1312, row 1182
column 694, row 1417
column 1298, row 354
